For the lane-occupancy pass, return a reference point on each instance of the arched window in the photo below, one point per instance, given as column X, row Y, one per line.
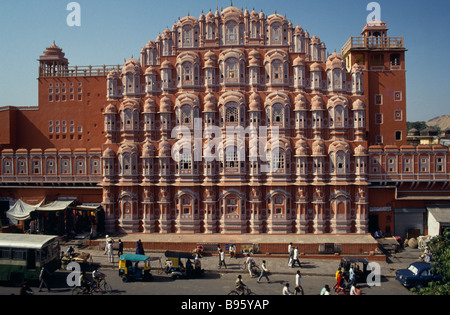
column 186, row 115
column 232, row 114
column 278, row 115
column 187, row 71
column 185, row 163
column 188, row 36
column 232, row 70
column 209, row 31
column 254, row 30
column 231, row 33
column 277, row 71
column 337, row 79
column 276, row 34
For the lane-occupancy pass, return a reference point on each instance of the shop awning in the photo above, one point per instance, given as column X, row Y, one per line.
column 87, row 207
column 56, row 205
column 21, row 210
column 440, row 213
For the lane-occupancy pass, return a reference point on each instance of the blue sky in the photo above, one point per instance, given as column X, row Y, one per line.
column 112, row 30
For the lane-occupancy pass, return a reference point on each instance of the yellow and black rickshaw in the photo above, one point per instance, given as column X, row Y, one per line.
column 191, row 268
column 130, row 270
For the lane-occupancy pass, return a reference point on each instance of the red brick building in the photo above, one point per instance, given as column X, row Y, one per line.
column 104, row 134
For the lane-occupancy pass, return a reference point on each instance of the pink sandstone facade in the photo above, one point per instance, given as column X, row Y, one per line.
column 340, row 165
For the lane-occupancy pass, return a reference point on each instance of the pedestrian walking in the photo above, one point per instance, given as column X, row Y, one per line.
column 337, row 278
column 250, row 263
column 222, row 259
column 120, row 249
column 218, row 251
column 110, row 245
column 295, row 258
column 139, row 248
column 44, row 278
column 298, row 284
column 291, row 253
column 341, row 284
column 264, row 272
column 106, row 245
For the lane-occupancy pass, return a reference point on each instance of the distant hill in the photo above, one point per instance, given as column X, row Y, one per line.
column 443, row 122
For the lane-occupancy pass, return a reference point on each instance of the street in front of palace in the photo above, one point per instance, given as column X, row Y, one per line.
column 316, row 274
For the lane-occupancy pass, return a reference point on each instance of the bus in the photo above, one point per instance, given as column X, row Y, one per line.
column 23, row 255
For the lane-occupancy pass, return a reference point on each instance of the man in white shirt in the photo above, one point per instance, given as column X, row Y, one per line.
column 264, row 272
column 296, row 258
column 298, row 285
column 286, row 290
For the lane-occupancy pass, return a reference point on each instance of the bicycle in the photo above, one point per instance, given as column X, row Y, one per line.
column 103, row 286
column 89, row 289
column 256, row 271
column 245, row 291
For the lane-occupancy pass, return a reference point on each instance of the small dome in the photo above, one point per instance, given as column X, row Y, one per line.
column 111, row 109
column 167, row 34
column 148, row 149
column 210, row 103
column 299, row 61
column 300, row 102
column 318, row 147
column 150, row 106
column 113, row 75
column 315, row 67
column 359, row 105
column 255, row 102
column 131, row 65
column 109, row 153
column 166, row 65
column 301, row 147
column 150, row 70
column 298, row 31
column 360, row 150
column 317, row 103
column 165, row 105
column 335, row 60
column 165, row 149
column 232, row 11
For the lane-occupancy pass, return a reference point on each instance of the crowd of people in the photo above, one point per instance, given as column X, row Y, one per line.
column 345, row 280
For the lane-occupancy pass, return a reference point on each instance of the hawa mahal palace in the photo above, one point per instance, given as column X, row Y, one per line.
column 340, row 165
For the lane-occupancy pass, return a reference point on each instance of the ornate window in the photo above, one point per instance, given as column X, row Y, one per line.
column 186, row 163
column 278, row 115
column 254, row 29
column 231, row 114
column 232, row 70
column 276, row 34
column 188, row 36
column 231, row 33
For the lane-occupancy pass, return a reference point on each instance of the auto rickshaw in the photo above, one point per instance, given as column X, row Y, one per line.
column 130, row 270
column 359, row 265
column 176, row 269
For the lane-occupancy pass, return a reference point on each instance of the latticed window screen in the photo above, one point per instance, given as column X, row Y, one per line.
column 231, row 114
column 186, row 116
column 277, row 114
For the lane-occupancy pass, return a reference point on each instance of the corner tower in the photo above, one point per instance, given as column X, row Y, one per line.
column 382, row 60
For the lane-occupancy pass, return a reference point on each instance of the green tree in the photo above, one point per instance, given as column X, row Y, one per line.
column 440, row 247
